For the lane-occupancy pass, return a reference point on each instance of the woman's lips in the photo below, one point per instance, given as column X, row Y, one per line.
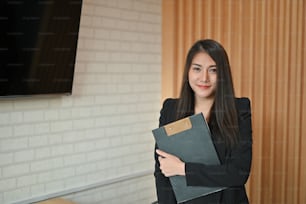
column 203, row 86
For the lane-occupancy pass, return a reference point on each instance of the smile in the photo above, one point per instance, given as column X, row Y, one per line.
column 203, row 86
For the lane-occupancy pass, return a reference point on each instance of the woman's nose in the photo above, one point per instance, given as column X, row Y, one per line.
column 204, row 77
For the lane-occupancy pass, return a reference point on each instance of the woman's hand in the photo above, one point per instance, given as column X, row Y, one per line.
column 170, row 165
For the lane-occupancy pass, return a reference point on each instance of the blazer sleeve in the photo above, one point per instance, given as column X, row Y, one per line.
column 164, row 191
column 236, row 167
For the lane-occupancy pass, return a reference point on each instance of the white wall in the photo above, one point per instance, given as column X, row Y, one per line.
column 100, row 134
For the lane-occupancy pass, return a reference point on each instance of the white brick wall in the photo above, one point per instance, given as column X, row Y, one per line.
column 101, row 132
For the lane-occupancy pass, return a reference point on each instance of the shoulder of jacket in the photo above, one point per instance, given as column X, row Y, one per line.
column 243, row 106
column 170, row 101
column 169, row 105
column 243, row 101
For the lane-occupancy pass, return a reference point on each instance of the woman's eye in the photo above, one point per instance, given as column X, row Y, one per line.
column 196, row 69
column 212, row 70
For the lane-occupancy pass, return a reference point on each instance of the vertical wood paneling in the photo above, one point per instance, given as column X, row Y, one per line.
column 292, row 180
column 168, row 51
column 278, row 153
column 270, row 88
column 266, row 151
column 302, row 173
column 246, row 63
column 180, row 49
column 281, row 169
column 197, row 19
column 266, row 44
column 258, row 88
column 207, row 18
column 235, row 52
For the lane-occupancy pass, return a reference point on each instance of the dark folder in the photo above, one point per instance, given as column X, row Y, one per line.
column 190, row 140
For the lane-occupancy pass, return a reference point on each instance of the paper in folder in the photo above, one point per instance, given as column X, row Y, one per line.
column 190, row 140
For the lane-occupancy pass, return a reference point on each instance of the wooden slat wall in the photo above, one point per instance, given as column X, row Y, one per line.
column 266, row 44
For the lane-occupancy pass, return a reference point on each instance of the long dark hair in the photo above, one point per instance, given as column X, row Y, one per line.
column 223, row 120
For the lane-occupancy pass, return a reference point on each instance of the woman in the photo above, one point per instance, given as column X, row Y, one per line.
column 207, row 87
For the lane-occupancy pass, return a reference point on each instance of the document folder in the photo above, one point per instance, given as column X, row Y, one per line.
column 190, row 140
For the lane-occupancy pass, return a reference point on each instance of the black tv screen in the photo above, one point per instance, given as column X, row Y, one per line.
column 38, row 46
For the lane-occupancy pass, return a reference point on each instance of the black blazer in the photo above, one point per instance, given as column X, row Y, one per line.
column 232, row 173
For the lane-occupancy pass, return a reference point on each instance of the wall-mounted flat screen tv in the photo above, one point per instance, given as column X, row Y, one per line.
column 38, row 44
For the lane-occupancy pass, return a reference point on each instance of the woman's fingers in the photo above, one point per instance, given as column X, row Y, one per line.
column 162, row 153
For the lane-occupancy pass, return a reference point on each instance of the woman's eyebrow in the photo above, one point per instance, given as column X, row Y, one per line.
column 197, row 64
column 213, row 65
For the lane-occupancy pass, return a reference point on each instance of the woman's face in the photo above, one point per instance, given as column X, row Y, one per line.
column 202, row 76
